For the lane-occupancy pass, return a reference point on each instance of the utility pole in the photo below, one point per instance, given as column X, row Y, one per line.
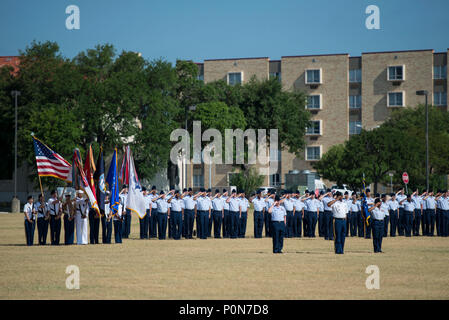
column 15, row 204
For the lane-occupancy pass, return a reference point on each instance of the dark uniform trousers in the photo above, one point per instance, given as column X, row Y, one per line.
column 170, row 226
column 94, row 225
column 203, row 224
column 42, row 230
column 108, row 230
column 152, row 223
column 226, row 224
column 29, row 232
column 267, row 220
column 258, row 224
column 103, row 227
column 339, row 234
column 176, row 216
column 289, row 229
column 242, row 224
column 360, row 224
column 438, row 221
column 328, row 225
column 278, row 230
column 118, row 231
column 393, row 222
column 297, row 224
column 416, row 222
column 348, row 227
column 429, row 226
column 312, row 223
column 143, row 224
column 445, row 223
column 209, row 226
column 218, row 219
column 386, row 222
column 127, row 224
column 321, row 224
column 408, row 223
column 305, row 224
column 189, row 215
column 69, row 230
column 401, row 222
column 55, row 230
column 378, row 232
column 353, row 223
column 234, row 228
column 162, row 225
column 368, row 228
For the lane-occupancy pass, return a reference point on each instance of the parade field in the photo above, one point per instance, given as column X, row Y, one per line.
column 410, row 268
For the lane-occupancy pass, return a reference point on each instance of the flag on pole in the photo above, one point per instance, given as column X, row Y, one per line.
column 135, row 200
column 364, row 204
column 89, row 169
column 124, row 170
column 51, row 164
column 79, row 180
column 100, row 182
column 112, row 182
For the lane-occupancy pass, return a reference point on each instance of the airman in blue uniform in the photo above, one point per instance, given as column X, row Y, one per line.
column 279, row 220
column 259, row 210
column 218, row 213
column 377, row 222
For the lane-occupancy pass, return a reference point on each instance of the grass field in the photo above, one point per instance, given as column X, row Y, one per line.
column 410, row 268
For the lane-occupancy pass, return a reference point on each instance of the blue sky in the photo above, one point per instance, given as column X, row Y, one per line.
column 206, row 29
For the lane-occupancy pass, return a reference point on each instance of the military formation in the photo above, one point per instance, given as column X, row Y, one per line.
column 176, row 215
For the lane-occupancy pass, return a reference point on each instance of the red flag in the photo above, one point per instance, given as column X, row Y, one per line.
column 89, row 170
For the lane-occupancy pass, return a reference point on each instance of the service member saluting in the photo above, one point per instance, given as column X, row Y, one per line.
column 378, row 216
column 278, row 223
column 339, row 213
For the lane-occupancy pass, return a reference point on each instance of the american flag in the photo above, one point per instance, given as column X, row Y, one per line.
column 51, row 164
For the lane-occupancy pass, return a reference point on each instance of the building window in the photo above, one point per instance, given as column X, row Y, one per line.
column 440, row 72
column 314, row 102
column 275, row 156
column 235, row 78
column 313, row 153
column 395, row 99
column 355, row 102
column 275, row 75
column 396, row 73
column 355, row 127
column 314, row 128
column 355, row 75
column 274, row 180
column 440, row 98
column 313, row 76
column 198, row 180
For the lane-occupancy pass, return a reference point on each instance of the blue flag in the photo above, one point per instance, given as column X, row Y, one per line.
column 99, row 179
column 365, row 205
column 112, row 182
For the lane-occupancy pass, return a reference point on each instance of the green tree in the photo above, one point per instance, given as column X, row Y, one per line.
column 249, row 180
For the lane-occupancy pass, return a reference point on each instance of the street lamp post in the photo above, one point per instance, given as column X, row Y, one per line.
column 15, row 205
column 426, row 93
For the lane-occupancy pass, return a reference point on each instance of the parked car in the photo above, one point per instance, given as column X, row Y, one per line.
column 342, row 189
column 265, row 190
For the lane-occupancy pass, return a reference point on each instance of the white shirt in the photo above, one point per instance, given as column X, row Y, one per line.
column 377, row 214
column 176, row 205
column 393, row 204
column 259, row 204
column 234, row 204
column 278, row 213
column 299, row 205
column 217, row 204
column 28, row 210
column 339, row 209
column 41, row 211
column 244, row 204
column 384, row 207
column 189, row 203
column 54, row 208
column 225, row 204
